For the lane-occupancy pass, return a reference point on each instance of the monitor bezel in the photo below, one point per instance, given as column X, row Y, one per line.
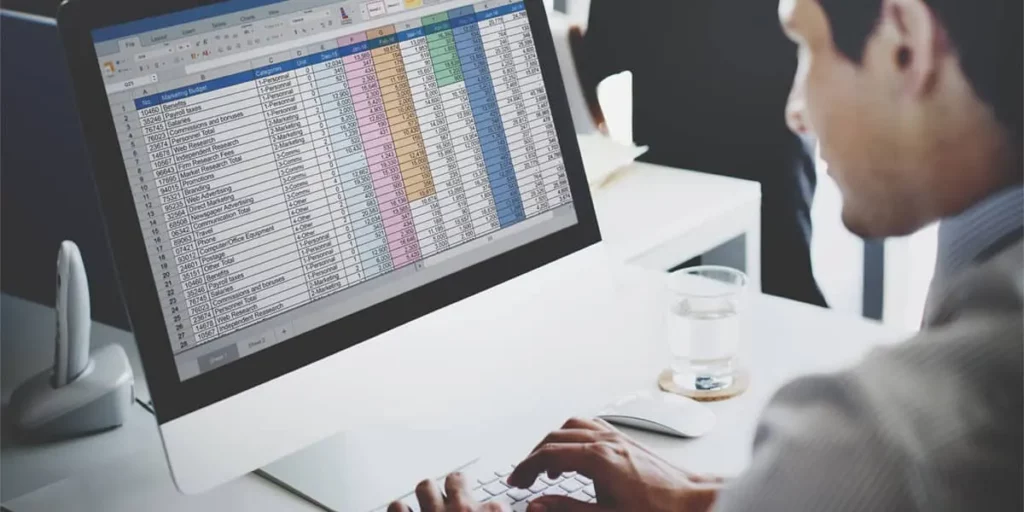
column 172, row 397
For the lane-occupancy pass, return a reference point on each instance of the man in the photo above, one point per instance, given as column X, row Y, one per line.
column 917, row 104
column 710, row 80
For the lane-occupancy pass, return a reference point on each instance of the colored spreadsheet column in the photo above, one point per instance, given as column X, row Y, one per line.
column 468, row 42
column 371, row 236
column 465, row 199
column 312, row 222
column 405, row 124
column 328, row 80
column 509, row 45
column 429, row 112
column 464, row 31
column 504, row 80
column 344, row 161
column 399, row 122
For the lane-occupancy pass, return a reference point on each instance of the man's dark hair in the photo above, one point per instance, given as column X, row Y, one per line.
column 985, row 33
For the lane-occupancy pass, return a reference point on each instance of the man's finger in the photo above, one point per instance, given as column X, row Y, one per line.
column 563, row 504
column 398, row 506
column 560, row 458
column 612, row 430
column 493, row 506
column 429, row 497
column 575, row 435
column 582, row 423
column 456, row 490
column 604, row 425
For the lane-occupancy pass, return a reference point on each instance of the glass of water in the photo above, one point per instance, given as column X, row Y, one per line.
column 703, row 327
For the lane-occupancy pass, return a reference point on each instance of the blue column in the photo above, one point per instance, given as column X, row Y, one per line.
column 487, row 117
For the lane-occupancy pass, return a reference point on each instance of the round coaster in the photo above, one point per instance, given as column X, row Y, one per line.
column 739, row 384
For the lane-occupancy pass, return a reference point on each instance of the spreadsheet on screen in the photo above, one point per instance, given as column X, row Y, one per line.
column 296, row 161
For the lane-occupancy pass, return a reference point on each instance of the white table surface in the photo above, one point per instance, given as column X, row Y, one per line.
column 125, row 469
column 658, row 217
column 783, row 339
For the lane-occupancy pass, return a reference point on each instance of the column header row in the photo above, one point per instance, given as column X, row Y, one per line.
column 348, row 45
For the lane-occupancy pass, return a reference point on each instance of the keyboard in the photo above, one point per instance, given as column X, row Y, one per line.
column 489, row 485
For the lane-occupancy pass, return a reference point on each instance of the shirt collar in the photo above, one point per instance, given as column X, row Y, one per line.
column 975, row 233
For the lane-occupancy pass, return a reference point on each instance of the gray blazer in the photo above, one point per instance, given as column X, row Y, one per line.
column 932, row 424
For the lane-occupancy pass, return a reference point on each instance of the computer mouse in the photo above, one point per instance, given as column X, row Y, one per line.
column 660, row 412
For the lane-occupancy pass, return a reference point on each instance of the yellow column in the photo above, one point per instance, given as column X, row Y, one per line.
column 401, row 112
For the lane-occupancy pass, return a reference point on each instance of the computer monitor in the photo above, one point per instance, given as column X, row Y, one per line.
column 282, row 180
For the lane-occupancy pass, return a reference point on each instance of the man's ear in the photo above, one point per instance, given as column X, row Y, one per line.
column 920, row 43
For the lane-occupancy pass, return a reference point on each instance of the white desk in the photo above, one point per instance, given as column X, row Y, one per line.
column 575, row 364
column 658, row 217
column 697, row 212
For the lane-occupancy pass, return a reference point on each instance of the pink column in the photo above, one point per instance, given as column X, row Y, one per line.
column 378, row 145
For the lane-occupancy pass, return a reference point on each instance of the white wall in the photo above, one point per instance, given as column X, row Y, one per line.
column 837, row 254
column 577, row 9
column 909, row 265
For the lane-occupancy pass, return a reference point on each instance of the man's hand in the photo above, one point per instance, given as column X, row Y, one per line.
column 626, row 475
column 456, row 498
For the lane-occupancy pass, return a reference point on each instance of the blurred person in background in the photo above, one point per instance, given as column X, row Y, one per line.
column 710, row 81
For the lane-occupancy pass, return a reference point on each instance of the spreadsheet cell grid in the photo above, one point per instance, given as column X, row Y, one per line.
column 263, row 190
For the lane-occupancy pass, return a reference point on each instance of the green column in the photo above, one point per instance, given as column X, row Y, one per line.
column 447, row 68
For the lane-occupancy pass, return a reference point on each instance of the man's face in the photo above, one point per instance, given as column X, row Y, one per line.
column 855, row 111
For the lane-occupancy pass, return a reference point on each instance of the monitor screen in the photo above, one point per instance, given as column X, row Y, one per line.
column 294, row 162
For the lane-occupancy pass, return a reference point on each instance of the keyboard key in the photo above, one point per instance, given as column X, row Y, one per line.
column 473, row 477
column 590, row 491
column 496, row 488
column 519, row 494
column 490, row 485
column 504, row 498
column 555, row 491
column 571, row 485
column 584, row 480
column 580, row 496
column 481, row 495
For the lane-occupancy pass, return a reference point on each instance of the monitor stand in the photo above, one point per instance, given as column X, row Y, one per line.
column 364, row 471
